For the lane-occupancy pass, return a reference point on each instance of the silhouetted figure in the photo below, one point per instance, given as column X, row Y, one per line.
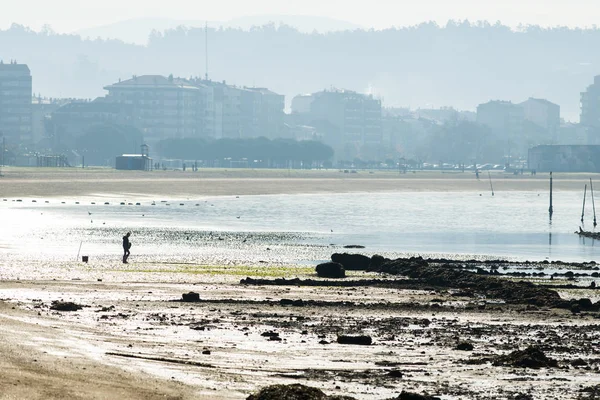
column 126, row 247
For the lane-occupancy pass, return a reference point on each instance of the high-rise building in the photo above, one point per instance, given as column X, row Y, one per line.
column 505, row 119
column 590, row 105
column 353, row 121
column 162, row 107
column 262, row 113
column 544, row 114
column 15, row 102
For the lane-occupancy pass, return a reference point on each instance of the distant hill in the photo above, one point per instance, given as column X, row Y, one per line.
column 137, row 31
column 426, row 66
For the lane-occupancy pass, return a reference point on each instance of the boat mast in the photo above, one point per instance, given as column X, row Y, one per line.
column 551, row 209
column 583, row 209
column 593, row 203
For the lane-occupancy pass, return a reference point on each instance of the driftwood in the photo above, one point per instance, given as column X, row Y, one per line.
column 161, row 359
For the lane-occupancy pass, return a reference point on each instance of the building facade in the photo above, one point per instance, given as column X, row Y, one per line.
column 544, row 114
column 590, row 105
column 353, row 121
column 15, row 102
column 565, row 158
column 162, row 108
column 506, row 121
column 73, row 120
column 262, row 113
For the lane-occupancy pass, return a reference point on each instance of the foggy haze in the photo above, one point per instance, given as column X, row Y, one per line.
column 370, row 81
column 72, row 15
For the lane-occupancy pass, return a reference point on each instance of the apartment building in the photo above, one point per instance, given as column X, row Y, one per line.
column 15, row 102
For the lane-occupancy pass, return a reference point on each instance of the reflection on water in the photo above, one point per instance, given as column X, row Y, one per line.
column 508, row 225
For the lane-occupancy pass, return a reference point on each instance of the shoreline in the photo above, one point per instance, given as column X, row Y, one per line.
column 136, row 338
column 41, row 182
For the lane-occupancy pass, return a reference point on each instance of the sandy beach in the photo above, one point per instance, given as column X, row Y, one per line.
column 130, row 335
column 32, row 182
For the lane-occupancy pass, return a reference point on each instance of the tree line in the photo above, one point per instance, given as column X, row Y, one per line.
column 276, row 153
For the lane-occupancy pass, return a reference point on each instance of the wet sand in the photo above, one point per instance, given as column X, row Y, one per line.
column 38, row 182
column 134, row 330
column 134, row 339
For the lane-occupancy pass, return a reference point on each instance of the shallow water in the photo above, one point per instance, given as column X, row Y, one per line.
column 299, row 228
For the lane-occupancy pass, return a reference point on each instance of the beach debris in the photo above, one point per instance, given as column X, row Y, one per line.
column 361, row 340
column 521, row 396
column 293, row 392
column 272, row 335
column 352, row 262
column 590, row 392
column 65, row 306
column 290, row 302
column 415, row 396
column 395, row 373
column 191, row 297
column 531, row 357
column 578, row 362
column 513, row 292
column 464, row 346
column 331, row 270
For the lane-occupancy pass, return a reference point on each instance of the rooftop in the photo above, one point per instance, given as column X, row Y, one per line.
column 152, row 81
column 14, row 68
column 543, row 101
column 262, row 91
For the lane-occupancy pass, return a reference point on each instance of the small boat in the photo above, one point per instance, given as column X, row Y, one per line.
column 588, row 234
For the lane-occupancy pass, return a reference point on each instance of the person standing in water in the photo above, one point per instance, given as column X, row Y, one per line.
column 126, row 247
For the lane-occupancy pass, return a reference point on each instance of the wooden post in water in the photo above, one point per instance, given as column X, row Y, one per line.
column 583, row 209
column 593, row 203
column 551, row 209
column 491, row 187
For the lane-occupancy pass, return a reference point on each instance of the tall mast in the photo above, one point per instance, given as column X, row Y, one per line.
column 551, row 209
column 583, row 209
column 206, row 49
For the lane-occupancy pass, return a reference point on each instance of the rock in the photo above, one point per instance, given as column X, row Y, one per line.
column 464, row 346
column 521, row 396
column 578, row 362
column 415, row 396
column 352, row 262
column 395, row 373
column 592, row 392
column 191, row 297
column 359, row 340
column 65, row 306
column 532, row 357
column 376, row 262
column 293, row 392
column 354, row 246
column 294, row 303
column 331, row 270
column 586, row 304
column 513, row 292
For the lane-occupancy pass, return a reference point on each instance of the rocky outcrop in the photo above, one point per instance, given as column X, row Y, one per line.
column 293, row 392
column 352, row 262
column 331, row 270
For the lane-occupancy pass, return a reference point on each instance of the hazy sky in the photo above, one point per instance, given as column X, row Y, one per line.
column 70, row 15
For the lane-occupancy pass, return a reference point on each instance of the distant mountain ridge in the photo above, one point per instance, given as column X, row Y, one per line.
column 137, row 31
